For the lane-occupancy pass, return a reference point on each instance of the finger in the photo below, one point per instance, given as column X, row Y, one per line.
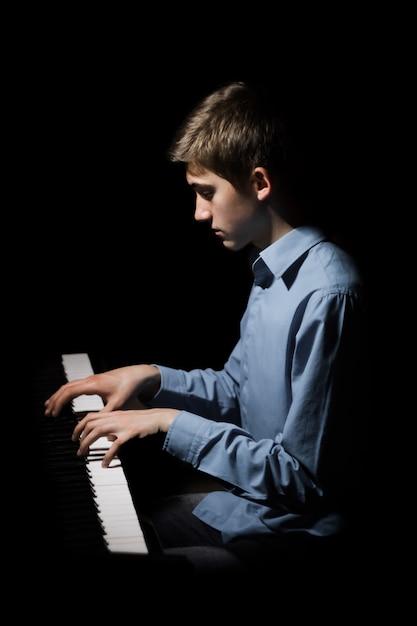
column 86, row 440
column 83, row 423
column 111, row 454
column 111, row 405
column 66, row 393
column 54, row 404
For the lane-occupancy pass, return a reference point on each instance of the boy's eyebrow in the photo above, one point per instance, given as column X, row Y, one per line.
column 201, row 186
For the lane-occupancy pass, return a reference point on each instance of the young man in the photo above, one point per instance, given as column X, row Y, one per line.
column 281, row 428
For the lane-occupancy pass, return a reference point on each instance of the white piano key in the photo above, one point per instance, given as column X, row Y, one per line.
column 116, row 509
column 110, row 491
column 77, row 366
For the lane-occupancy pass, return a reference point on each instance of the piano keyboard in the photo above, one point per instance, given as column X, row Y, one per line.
column 121, row 528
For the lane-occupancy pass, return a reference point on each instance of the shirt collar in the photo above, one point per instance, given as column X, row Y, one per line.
column 283, row 253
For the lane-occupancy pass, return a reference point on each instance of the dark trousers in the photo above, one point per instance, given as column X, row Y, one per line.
column 165, row 492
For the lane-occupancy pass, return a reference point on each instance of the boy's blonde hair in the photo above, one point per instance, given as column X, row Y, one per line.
column 232, row 131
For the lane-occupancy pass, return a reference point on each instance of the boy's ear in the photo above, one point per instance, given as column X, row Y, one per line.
column 262, row 182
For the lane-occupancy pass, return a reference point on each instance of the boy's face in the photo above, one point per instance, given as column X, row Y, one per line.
column 236, row 218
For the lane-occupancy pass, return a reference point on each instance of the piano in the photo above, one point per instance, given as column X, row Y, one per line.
column 83, row 514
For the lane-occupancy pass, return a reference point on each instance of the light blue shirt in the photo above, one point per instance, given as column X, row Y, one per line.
column 280, row 424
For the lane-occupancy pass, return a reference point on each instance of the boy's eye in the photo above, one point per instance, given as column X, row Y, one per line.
column 207, row 195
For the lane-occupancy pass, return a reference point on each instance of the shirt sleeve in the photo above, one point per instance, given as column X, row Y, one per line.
column 207, row 392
